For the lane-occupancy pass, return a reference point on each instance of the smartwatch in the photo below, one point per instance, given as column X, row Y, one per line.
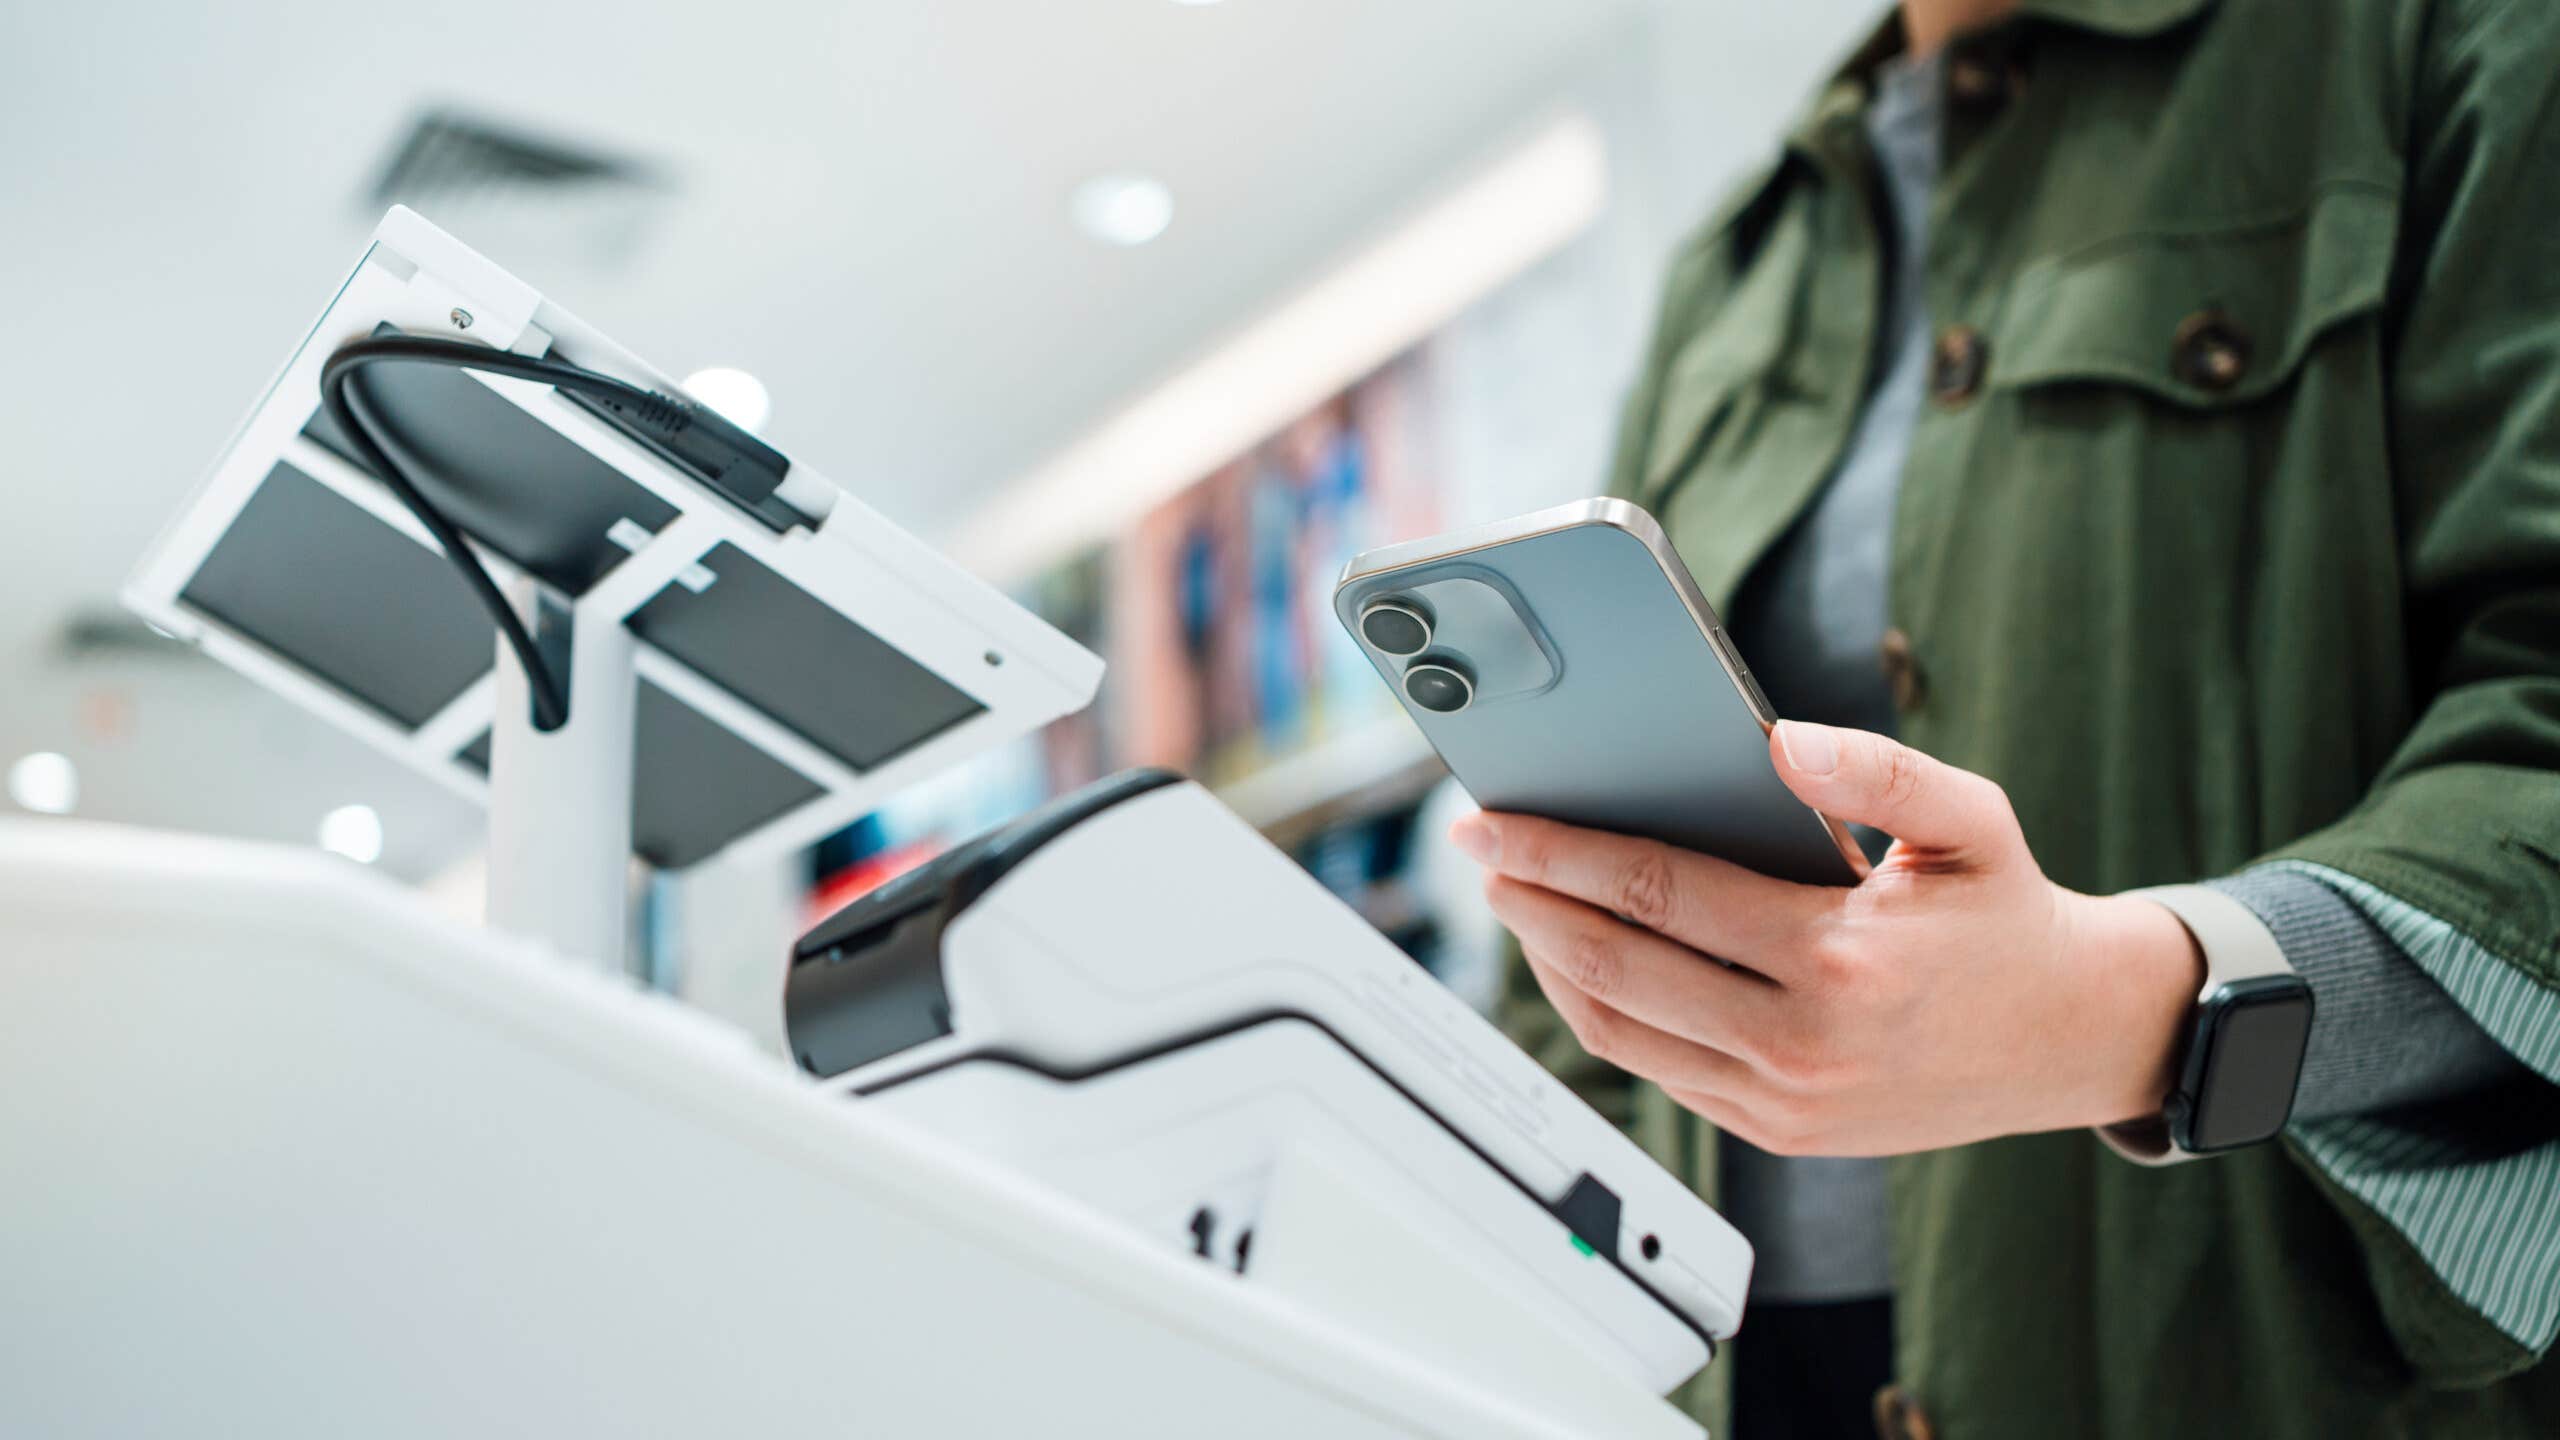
column 2243, row 1052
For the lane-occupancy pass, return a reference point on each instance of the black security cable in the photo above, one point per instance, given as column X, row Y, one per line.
column 649, row 411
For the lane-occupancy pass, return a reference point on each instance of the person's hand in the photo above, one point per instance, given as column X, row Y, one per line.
column 1954, row 995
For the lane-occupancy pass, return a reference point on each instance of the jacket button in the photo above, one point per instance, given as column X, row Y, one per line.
column 1974, row 82
column 1899, row 1417
column 2210, row 350
column 1901, row 670
column 1956, row 363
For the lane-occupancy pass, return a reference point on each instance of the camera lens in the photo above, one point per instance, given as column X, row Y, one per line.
column 1396, row 627
column 1441, row 686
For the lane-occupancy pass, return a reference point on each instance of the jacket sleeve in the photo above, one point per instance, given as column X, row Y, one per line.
column 2455, row 849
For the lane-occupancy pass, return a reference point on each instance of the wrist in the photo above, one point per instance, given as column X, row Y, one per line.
column 2148, row 970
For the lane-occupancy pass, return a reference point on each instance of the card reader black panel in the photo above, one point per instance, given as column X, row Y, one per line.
column 866, row 983
column 850, row 1009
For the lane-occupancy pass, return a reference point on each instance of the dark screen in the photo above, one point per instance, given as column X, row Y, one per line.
column 762, row 638
column 2251, row 1070
column 314, row 577
column 694, row 786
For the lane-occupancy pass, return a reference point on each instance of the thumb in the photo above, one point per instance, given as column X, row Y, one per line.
column 1864, row 778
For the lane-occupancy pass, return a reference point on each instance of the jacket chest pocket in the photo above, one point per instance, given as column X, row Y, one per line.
column 2199, row 322
column 2177, row 454
column 1718, row 365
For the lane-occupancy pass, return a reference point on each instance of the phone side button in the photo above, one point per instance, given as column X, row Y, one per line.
column 1733, row 661
column 1759, row 700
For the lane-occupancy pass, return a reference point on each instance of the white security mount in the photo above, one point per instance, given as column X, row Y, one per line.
column 560, row 800
column 742, row 678
column 1132, row 996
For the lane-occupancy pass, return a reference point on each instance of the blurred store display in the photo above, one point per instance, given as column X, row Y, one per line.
column 1214, row 611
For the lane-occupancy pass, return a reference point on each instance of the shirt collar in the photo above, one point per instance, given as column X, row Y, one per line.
column 1842, row 99
column 2116, row 17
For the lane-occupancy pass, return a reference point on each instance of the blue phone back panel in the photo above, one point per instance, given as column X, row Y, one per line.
column 1642, row 732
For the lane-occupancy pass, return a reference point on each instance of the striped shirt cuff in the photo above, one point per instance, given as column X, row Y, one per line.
column 2384, row 1034
column 2482, row 1210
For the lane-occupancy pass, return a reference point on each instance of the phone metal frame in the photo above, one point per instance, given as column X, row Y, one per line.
column 1638, row 522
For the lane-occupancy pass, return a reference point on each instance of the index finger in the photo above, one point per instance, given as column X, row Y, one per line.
column 1707, row 904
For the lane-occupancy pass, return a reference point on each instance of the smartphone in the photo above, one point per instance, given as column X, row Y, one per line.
column 1564, row 664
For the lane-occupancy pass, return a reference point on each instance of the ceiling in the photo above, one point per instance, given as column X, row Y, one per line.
column 868, row 203
column 865, row 205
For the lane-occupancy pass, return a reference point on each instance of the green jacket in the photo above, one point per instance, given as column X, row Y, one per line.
column 2232, row 535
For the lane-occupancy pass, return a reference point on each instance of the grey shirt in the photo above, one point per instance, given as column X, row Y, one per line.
column 1812, row 616
column 1811, row 621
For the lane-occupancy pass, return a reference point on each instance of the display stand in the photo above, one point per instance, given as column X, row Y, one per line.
column 749, row 667
column 560, row 801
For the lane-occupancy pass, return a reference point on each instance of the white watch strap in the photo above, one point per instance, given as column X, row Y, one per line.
column 2237, row 945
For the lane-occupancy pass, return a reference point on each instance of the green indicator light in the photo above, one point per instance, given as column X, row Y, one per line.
column 1584, row 1246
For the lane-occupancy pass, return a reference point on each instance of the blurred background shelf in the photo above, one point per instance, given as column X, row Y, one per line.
column 1381, row 764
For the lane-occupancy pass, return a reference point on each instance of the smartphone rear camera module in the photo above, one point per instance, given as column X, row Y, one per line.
column 1441, row 685
column 1396, row 627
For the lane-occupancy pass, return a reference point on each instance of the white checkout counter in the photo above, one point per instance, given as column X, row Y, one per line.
column 288, row 1154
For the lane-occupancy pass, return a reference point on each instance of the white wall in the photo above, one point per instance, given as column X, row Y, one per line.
column 1691, row 95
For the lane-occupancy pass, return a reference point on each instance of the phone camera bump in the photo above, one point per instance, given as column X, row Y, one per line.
column 1441, row 685
column 1396, row 626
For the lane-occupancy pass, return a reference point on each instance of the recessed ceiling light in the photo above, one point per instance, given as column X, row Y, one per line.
column 737, row 395
column 1373, row 304
column 354, row 831
column 1122, row 209
column 47, row 783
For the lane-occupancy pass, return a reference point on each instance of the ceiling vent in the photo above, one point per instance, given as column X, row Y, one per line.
column 535, row 200
column 112, row 634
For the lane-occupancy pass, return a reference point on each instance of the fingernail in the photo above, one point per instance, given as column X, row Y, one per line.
column 1809, row 747
column 1478, row 838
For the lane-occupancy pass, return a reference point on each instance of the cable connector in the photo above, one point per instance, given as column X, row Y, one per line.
column 706, row 445
column 702, row 442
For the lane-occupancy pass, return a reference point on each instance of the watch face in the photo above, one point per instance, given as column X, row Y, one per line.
column 2252, row 1040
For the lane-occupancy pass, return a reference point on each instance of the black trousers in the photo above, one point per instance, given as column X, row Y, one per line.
column 1811, row 1372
